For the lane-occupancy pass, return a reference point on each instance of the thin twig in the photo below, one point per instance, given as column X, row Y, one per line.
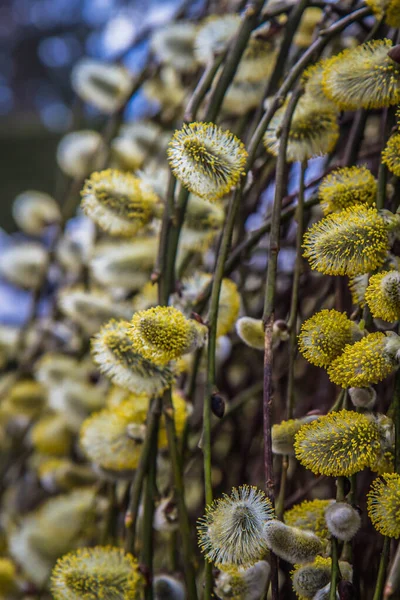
column 184, row 524
column 238, row 46
column 268, row 315
column 149, row 442
column 292, row 322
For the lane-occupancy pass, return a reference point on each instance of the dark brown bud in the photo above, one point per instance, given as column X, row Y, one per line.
column 394, row 53
column 218, row 405
column 197, row 318
column 346, row 590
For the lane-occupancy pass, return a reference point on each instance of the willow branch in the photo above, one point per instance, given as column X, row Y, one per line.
column 184, row 524
column 382, row 569
column 149, row 443
column 292, row 321
column 268, row 315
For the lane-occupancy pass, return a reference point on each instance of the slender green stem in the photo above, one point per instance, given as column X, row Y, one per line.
column 110, row 525
column 334, row 568
column 184, row 524
column 309, row 55
column 382, row 181
column 388, row 122
column 202, row 88
column 392, row 584
column 248, row 244
column 339, row 401
column 147, row 553
column 292, row 321
column 280, row 502
column 149, row 443
column 236, row 50
column 383, row 563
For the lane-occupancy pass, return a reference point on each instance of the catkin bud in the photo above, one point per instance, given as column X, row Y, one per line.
column 283, row 434
column 244, row 584
column 168, row 588
column 308, row 579
column 251, row 332
column 363, row 397
column 290, row 543
column 324, row 593
column 81, row 152
column 343, row 520
column 33, row 211
column 166, row 516
column 102, row 85
column 24, row 265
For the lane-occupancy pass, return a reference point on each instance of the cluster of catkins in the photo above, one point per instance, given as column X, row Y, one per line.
column 82, row 383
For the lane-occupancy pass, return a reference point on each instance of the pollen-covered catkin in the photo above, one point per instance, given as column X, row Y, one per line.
column 309, row 515
column 340, row 443
column 292, row 544
column 113, row 353
column 384, row 504
column 118, row 202
column 363, row 77
column 163, row 333
column 366, row 362
column 350, row 242
column 323, row 337
column 309, row 579
column 345, row 187
column 383, row 295
column 101, row 572
column 207, row 160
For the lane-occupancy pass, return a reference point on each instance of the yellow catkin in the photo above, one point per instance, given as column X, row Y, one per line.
column 391, row 154
column 119, row 202
column 346, row 187
column 114, row 355
column 383, row 295
column 363, row 77
column 101, row 573
column 338, row 444
column 384, row 504
column 350, row 242
column 163, row 333
column 323, row 337
column 207, row 160
column 309, row 515
column 313, row 131
column 366, row 362
column 389, row 10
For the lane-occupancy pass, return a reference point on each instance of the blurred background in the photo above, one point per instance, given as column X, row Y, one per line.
column 40, row 40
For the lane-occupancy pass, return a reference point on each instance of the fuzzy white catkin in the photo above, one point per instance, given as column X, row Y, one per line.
column 343, row 521
column 363, row 397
